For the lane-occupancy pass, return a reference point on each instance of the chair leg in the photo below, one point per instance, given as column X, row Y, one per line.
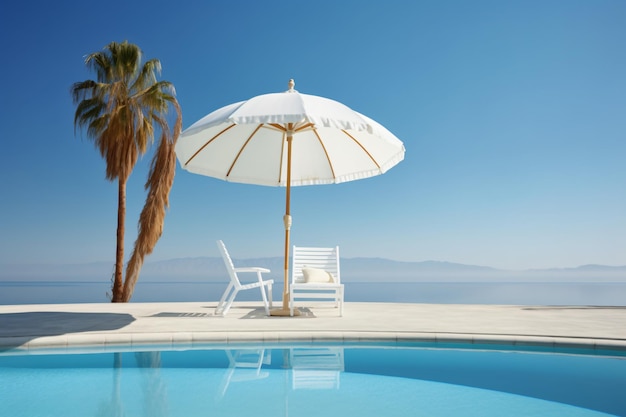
column 269, row 293
column 264, row 296
column 230, row 301
column 262, row 285
column 220, row 305
column 341, row 302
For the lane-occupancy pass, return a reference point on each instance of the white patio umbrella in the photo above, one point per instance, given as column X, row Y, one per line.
column 288, row 139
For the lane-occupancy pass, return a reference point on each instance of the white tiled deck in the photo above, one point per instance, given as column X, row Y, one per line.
column 107, row 325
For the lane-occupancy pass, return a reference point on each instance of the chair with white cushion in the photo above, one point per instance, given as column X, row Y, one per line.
column 235, row 285
column 315, row 274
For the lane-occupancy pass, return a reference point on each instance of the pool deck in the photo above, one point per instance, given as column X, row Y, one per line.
column 31, row 327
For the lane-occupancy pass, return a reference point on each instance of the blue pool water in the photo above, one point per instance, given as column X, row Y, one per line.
column 313, row 380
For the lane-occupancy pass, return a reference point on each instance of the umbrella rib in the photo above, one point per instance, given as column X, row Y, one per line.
column 242, row 148
column 330, row 164
column 298, row 129
column 207, row 144
column 305, row 126
column 362, row 147
column 276, row 126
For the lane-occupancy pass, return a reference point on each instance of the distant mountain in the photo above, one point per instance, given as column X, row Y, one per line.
column 378, row 269
column 581, row 273
column 591, row 268
column 352, row 270
column 373, row 269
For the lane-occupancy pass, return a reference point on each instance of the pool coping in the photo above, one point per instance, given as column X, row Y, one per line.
column 198, row 339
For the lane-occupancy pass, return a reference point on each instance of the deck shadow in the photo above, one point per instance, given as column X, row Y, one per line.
column 22, row 327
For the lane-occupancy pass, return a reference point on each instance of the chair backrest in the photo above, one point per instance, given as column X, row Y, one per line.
column 230, row 267
column 320, row 258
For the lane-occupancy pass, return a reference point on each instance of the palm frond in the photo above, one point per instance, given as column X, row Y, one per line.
column 147, row 77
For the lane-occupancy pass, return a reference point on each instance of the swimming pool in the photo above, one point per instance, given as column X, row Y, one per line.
column 364, row 379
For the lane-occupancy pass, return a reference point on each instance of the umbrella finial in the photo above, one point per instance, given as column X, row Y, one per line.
column 292, row 84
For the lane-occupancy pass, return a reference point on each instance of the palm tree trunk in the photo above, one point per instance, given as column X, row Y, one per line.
column 117, row 290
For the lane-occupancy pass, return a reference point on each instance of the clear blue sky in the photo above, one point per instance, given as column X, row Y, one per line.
column 513, row 114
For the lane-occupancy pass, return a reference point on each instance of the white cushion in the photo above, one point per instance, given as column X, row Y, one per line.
column 317, row 275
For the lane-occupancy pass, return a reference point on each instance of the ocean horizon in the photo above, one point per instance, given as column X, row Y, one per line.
column 507, row 293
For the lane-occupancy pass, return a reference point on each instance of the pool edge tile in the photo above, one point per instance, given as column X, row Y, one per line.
column 142, row 339
column 495, row 339
column 574, row 343
column 421, row 337
column 94, row 340
column 48, row 342
column 199, row 338
column 117, row 339
column 612, row 345
column 455, row 338
column 295, row 336
column 182, row 338
column 535, row 341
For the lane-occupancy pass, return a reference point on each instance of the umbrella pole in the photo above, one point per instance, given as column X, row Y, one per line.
column 284, row 311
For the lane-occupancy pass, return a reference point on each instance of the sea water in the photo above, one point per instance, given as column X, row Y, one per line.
column 512, row 293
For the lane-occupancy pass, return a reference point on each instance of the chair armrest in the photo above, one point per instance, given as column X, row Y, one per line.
column 252, row 269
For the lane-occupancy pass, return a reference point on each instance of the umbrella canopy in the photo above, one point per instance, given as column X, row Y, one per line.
column 288, row 139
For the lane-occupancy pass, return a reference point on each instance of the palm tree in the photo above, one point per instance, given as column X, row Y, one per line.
column 121, row 110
